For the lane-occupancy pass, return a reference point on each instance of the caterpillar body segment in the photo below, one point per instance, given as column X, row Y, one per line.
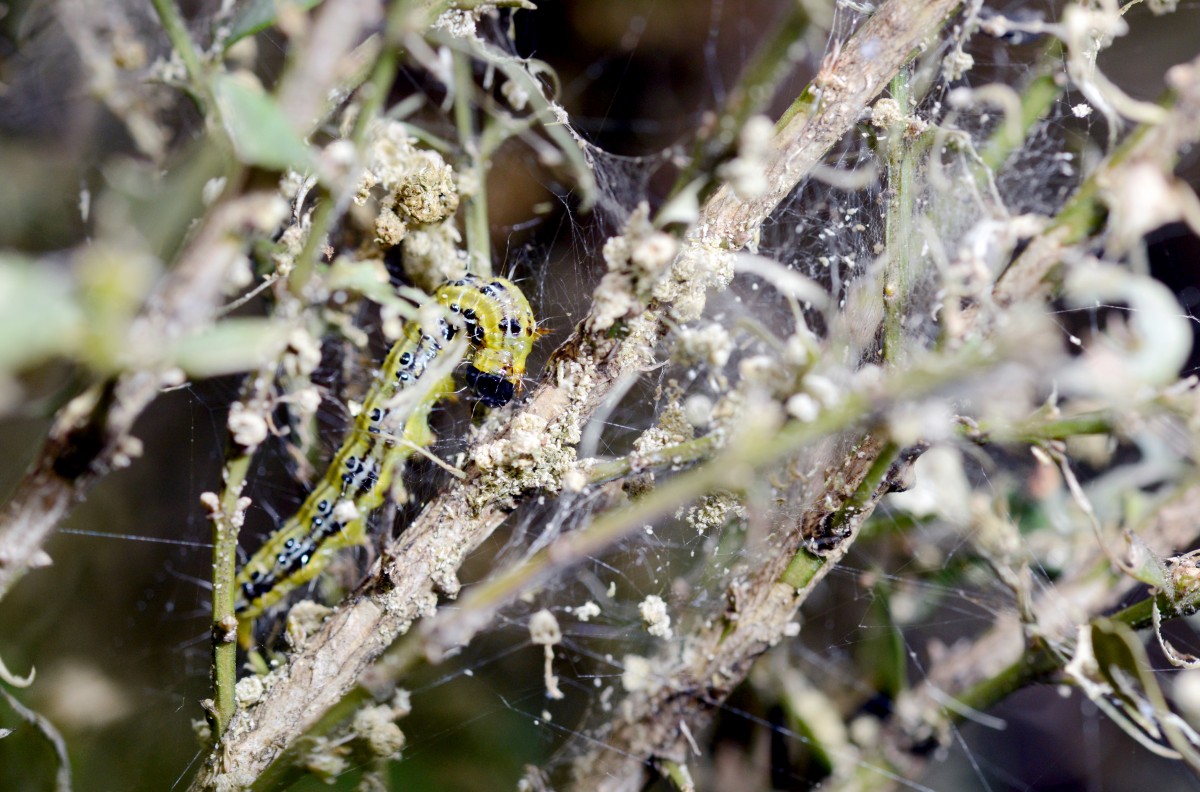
column 393, row 423
column 333, row 516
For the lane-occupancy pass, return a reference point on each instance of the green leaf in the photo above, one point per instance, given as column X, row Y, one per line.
column 261, row 133
column 232, row 346
column 258, row 15
column 1119, row 657
column 370, row 279
column 882, row 653
column 39, row 317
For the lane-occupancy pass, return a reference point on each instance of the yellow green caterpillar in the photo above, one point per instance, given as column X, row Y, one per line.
column 500, row 330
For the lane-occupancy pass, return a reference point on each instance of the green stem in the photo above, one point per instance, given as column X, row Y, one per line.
column 804, row 565
column 1039, row 662
column 475, row 210
column 1036, row 663
column 900, row 229
column 302, row 273
column 1138, row 615
column 803, row 568
column 373, row 94
column 1040, row 430
column 677, row 773
column 1037, row 98
column 676, row 455
column 224, row 593
column 867, row 488
column 543, row 110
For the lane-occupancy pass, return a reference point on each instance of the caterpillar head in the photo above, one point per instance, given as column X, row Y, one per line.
column 499, row 364
column 502, row 331
column 494, row 390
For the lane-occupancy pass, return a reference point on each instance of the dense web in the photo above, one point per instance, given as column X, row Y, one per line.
column 624, row 606
column 811, row 330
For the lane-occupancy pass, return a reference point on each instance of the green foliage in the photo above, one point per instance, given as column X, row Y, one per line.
column 261, row 134
column 258, row 15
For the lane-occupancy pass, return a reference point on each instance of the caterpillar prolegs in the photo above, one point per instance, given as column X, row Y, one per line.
column 392, row 424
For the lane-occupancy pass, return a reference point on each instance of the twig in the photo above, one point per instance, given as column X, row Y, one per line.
column 62, row 776
column 670, row 456
column 773, row 61
column 308, row 80
column 983, row 672
column 1043, row 428
column 1038, row 96
column 848, row 82
column 227, row 515
column 900, row 230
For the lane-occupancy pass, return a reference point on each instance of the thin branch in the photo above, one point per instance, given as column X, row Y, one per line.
column 667, row 457
column 902, row 247
column 227, row 515
column 62, row 776
column 757, row 85
column 338, row 27
column 849, row 81
column 980, row 673
column 475, row 208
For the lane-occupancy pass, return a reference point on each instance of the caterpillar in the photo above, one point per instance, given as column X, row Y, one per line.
column 500, row 330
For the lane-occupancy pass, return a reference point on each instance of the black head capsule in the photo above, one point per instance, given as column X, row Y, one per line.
column 492, row 389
